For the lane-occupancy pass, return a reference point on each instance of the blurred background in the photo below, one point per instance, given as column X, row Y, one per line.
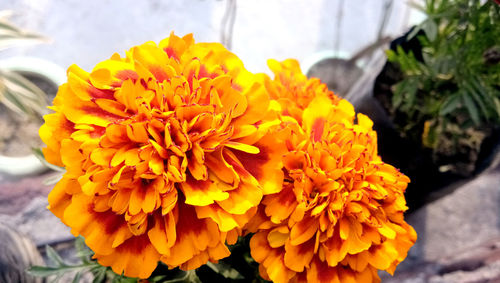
column 86, row 32
column 454, row 197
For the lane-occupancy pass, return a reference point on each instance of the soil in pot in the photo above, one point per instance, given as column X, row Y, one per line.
column 18, row 133
column 433, row 173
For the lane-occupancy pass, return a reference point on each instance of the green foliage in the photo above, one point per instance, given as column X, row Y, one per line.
column 458, row 80
column 60, row 267
column 61, row 270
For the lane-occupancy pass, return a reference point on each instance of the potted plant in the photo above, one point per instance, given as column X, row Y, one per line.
column 441, row 89
column 24, row 85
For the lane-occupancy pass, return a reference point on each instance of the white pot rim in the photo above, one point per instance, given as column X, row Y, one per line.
column 29, row 164
column 39, row 66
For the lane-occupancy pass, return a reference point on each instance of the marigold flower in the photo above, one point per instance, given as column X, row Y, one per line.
column 292, row 89
column 161, row 149
column 339, row 215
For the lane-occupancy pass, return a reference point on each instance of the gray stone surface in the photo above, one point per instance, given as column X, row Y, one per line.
column 458, row 235
column 37, row 222
column 463, row 219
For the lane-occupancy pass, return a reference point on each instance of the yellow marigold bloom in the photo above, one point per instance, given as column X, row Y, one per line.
column 292, row 89
column 339, row 215
column 167, row 151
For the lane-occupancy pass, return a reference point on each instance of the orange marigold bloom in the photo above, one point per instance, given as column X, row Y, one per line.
column 292, row 89
column 161, row 149
column 339, row 215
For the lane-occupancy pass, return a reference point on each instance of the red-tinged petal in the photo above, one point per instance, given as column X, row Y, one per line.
column 266, row 165
column 335, row 251
column 198, row 170
column 299, row 257
column 258, row 99
column 303, row 231
column 174, row 46
column 232, row 237
column 59, row 198
column 232, row 101
column 276, row 268
column 112, row 106
column 347, row 276
column 381, row 257
column 250, row 149
column 194, row 236
column 280, row 206
column 119, row 202
column 168, row 201
column 241, row 199
column 278, row 236
column 128, row 94
column 151, row 199
column 244, row 131
column 259, row 247
column 216, row 163
column 225, row 220
column 163, row 233
column 201, row 193
column 102, row 156
column 71, row 157
column 111, row 73
column 358, row 262
column 136, row 257
column 86, row 112
column 355, row 241
column 152, row 58
column 321, row 272
column 218, row 252
column 55, row 129
column 272, row 262
column 100, row 229
column 315, row 116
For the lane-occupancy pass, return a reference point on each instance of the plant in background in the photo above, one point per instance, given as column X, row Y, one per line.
column 16, row 92
column 449, row 97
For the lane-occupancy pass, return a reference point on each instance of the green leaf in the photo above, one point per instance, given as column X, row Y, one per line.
column 225, row 270
column 391, row 55
column 82, row 251
column 10, row 35
column 45, row 271
column 77, row 277
column 21, row 95
column 123, row 279
column 39, row 154
column 190, row 276
column 450, row 104
column 54, row 256
column 471, row 107
column 414, row 32
column 157, row 279
column 477, row 98
column 430, row 28
column 99, row 274
column 6, row 27
column 52, row 180
column 497, row 106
